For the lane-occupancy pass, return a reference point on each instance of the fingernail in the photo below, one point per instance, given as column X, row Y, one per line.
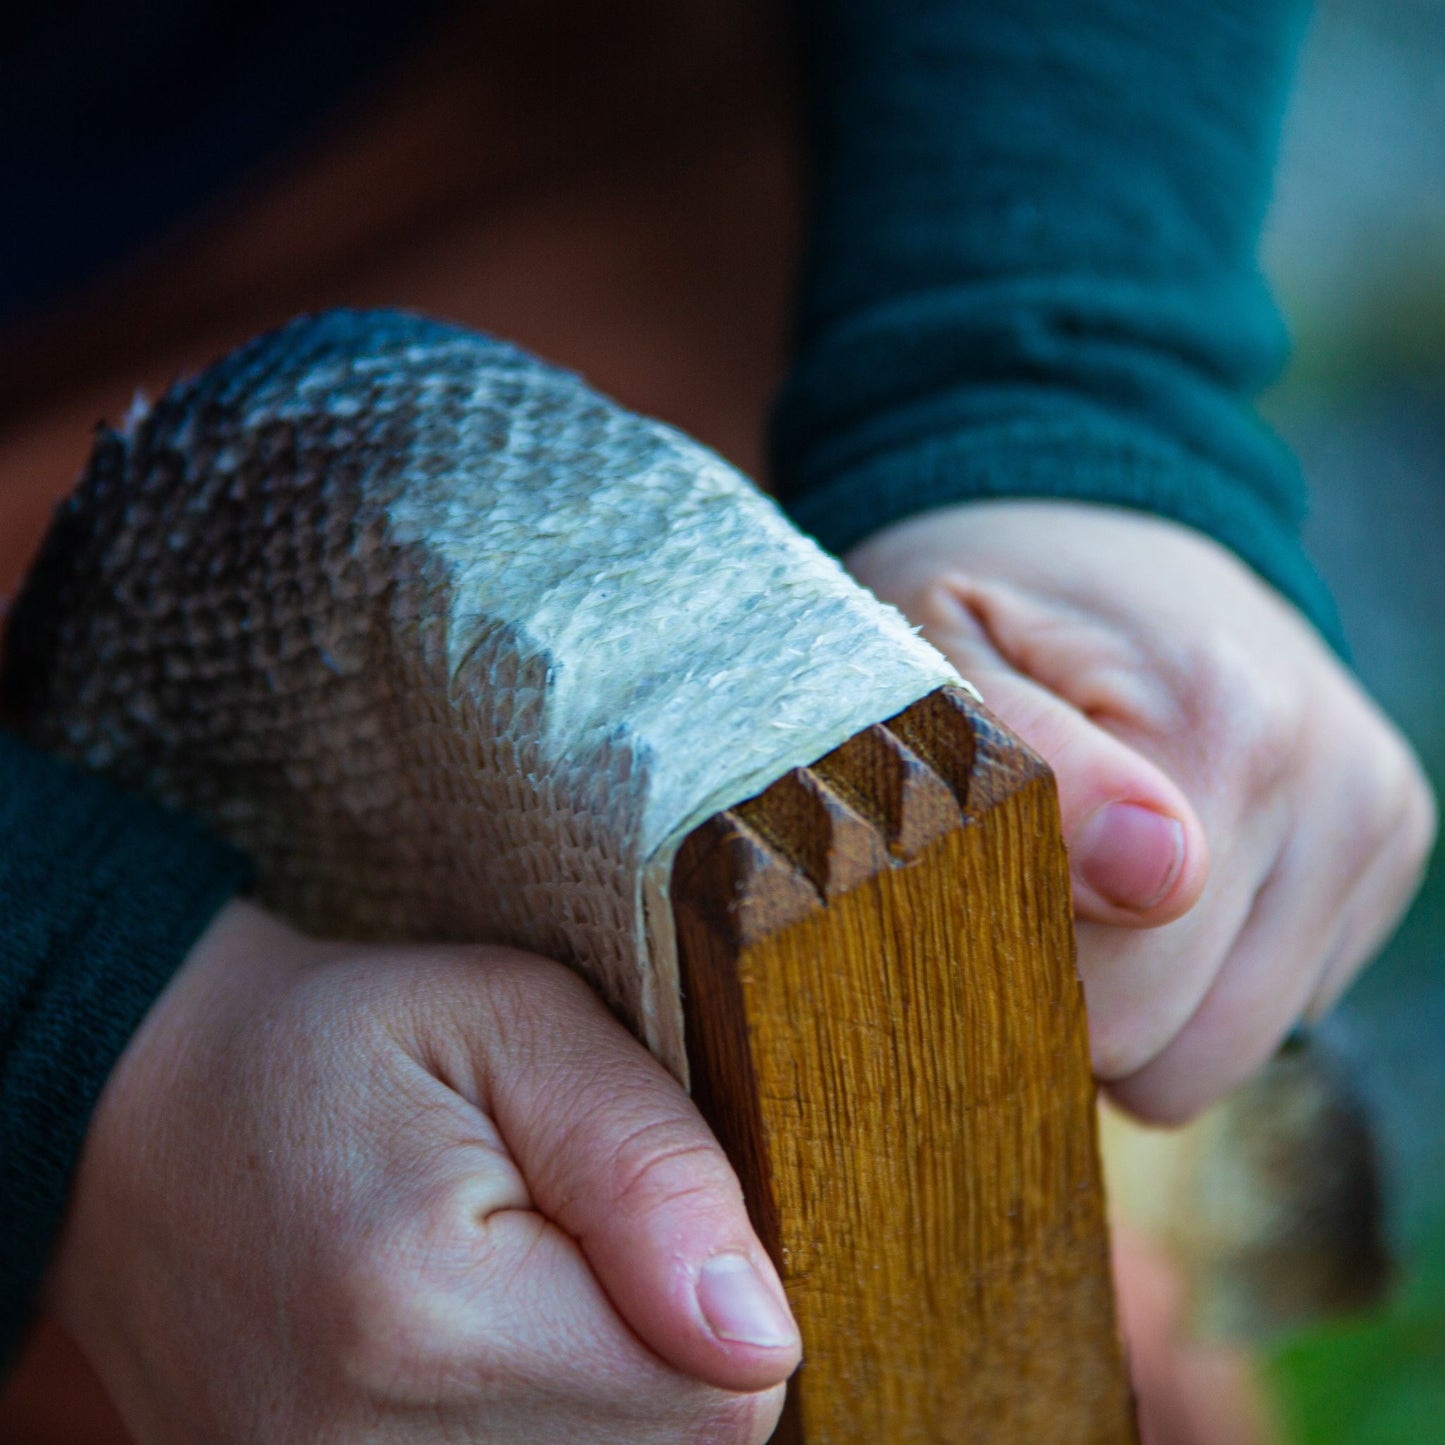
column 1130, row 856
column 739, row 1306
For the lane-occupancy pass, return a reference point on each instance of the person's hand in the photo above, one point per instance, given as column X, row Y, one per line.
column 335, row 1194
column 1244, row 825
column 1187, row 1390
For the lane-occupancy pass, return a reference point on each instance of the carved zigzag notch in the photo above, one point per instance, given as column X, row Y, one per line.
column 884, row 1025
column 818, row 832
column 884, row 779
column 878, row 800
column 834, row 844
column 746, row 888
column 982, row 762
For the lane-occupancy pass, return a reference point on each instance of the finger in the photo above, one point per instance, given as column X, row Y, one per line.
column 1398, row 860
column 566, row 1340
column 1256, row 999
column 1330, row 897
column 1137, row 848
column 1301, row 919
column 617, row 1155
column 455, row 1306
column 1141, row 989
column 1241, row 1022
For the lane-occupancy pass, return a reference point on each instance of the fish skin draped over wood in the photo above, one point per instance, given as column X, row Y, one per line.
column 453, row 646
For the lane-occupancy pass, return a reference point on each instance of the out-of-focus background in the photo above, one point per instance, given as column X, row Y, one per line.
column 1356, row 250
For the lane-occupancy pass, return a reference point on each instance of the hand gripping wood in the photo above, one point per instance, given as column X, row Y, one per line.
column 457, row 649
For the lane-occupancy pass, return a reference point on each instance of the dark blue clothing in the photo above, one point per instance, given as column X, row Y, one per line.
column 1032, row 267
column 101, row 897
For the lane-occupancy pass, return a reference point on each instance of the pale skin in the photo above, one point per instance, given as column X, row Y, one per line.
column 341, row 1194
column 439, row 1195
column 1154, row 670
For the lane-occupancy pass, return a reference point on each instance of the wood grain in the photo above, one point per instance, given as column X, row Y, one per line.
column 886, row 1030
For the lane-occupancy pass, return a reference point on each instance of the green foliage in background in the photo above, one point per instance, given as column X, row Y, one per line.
column 1380, row 1381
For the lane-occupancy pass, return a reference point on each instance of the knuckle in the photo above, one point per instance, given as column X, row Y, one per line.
column 528, row 972
column 1242, row 707
column 391, row 1323
column 523, row 987
column 1375, row 823
column 1126, row 1045
column 1112, row 1056
column 946, row 603
column 661, row 1161
column 1422, row 833
column 1393, row 809
column 375, row 1322
column 1420, row 820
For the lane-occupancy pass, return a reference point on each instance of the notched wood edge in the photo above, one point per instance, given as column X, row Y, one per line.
column 729, row 874
column 877, row 801
column 937, row 768
column 975, row 754
column 818, row 830
column 884, row 779
column 940, row 729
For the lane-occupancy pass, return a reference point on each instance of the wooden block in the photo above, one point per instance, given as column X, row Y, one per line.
column 887, row 1032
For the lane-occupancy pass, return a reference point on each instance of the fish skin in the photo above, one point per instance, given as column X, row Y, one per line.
column 452, row 645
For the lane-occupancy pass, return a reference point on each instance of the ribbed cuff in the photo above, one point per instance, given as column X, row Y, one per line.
column 101, row 898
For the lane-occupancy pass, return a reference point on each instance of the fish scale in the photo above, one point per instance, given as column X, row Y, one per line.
column 452, row 645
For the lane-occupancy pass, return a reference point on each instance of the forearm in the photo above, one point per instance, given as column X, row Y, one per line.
column 1032, row 272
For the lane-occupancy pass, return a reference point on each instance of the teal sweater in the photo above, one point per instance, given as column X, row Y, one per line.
column 1031, row 272
column 101, row 898
column 1032, row 267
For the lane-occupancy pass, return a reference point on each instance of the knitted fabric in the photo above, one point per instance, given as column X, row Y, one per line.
column 1032, row 270
column 101, row 897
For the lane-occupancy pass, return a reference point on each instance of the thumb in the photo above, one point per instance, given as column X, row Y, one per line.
column 1137, row 848
column 615, row 1153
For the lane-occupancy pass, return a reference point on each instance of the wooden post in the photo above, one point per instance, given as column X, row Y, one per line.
column 887, row 1032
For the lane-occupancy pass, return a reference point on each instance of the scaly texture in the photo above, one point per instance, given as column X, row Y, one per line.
column 452, row 645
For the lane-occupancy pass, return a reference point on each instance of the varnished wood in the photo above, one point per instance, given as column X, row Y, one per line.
column 887, row 1032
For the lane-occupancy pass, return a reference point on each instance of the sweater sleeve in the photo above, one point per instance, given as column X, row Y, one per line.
column 1032, row 267
column 101, row 898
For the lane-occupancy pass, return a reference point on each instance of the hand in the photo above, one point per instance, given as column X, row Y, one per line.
column 1244, row 826
column 1188, row 1390
column 335, row 1194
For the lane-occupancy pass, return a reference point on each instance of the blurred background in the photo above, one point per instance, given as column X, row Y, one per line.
column 1356, row 249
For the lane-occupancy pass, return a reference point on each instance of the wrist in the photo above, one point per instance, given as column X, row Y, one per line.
column 235, row 962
